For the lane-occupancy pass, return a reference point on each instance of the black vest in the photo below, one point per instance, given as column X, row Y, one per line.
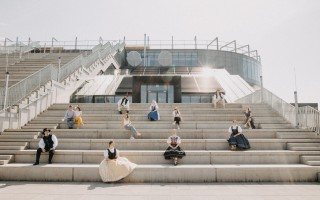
column 124, row 100
column 234, row 131
column 48, row 142
column 111, row 155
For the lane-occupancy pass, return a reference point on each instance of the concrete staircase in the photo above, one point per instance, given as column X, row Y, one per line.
column 279, row 152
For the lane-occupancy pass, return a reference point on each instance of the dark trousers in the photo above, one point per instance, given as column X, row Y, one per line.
column 39, row 151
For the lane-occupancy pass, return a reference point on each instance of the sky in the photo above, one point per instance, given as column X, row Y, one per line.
column 286, row 33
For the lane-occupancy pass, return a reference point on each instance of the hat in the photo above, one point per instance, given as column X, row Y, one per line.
column 45, row 129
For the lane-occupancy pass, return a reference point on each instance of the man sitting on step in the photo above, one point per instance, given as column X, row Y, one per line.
column 48, row 143
column 123, row 105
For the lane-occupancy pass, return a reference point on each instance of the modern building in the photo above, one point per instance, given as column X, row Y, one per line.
column 180, row 74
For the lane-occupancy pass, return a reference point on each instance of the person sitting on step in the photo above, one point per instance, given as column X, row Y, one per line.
column 123, row 105
column 69, row 117
column 126, row 123
column 78, row 117
column 237, row 140
column 154, row 114
column 174, row 150
column 113, row 167
column 249, row 121
column 177, row 118
column 48, row 143
column 218, row 99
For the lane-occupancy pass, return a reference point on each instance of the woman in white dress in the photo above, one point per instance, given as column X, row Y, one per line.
column 113, row 167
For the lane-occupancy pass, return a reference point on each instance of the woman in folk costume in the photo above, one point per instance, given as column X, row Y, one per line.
column 78, row 117
column 154, row 112
column 218, row 98
column 174, row 151
column 123, row 105
column 249, row 122
column 177, row 118
column 113, row 167
column 237, row 140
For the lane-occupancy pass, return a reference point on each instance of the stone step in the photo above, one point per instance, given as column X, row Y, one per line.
column 163, row 173
column 305, row 158
column 156, row 157
column 313, row 162
column 5, row 159
column 18, row 137
column 313, row 144
column 297, row 134
column 161, row 125
column 149, row 133
column 240, row 118
column 304, row 148
column 12, row 147
column 160, row 144
column 275, row 125
column 13, row 143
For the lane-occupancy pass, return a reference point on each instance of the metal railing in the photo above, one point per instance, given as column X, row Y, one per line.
column 307, row 117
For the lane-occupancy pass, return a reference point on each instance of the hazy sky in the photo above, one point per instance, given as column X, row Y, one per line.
column 286, row 33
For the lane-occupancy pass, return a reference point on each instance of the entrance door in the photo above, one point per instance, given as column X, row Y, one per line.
column 158, row 96
column 159, row 93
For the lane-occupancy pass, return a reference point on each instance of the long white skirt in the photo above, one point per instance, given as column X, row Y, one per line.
column 114, row 170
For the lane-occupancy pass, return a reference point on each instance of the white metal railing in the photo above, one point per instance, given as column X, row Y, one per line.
column 307, row 117
column 23, row 88
column 14, row 119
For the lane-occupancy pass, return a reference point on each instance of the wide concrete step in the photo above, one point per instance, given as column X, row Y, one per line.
column 149, row 133
column 5, row 159
column 304, row 148
column 15, row 137
column 313, row 162
column 208, row 117
column 13, row 143
column 297, row 134
column 12, row 147
column 164, row 173
column 101, row 113
column 156, row 157
column 305, row 158
column 161, row 125
column 160, row 144
column 309, row 144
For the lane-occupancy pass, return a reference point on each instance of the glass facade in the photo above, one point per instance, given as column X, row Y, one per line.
column 236, row 64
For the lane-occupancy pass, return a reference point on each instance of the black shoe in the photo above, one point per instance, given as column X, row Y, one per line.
column 120, row 112
column 36, row 163
column 49, row 162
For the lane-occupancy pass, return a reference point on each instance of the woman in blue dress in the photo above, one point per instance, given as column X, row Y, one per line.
column 154, row 112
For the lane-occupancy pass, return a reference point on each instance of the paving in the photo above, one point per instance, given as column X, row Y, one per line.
column 97, row 191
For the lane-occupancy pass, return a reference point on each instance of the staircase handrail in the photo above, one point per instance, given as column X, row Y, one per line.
column 285, row 109
column 309, row 117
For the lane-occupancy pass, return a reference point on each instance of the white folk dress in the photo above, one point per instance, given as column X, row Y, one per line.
column 112, row 170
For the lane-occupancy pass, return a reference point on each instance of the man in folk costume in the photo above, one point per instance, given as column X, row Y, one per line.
column 47, row 144
column 123, row 105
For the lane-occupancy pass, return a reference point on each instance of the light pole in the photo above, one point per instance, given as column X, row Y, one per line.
column 59, row 64
column 6, row 91
column 261, row 85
